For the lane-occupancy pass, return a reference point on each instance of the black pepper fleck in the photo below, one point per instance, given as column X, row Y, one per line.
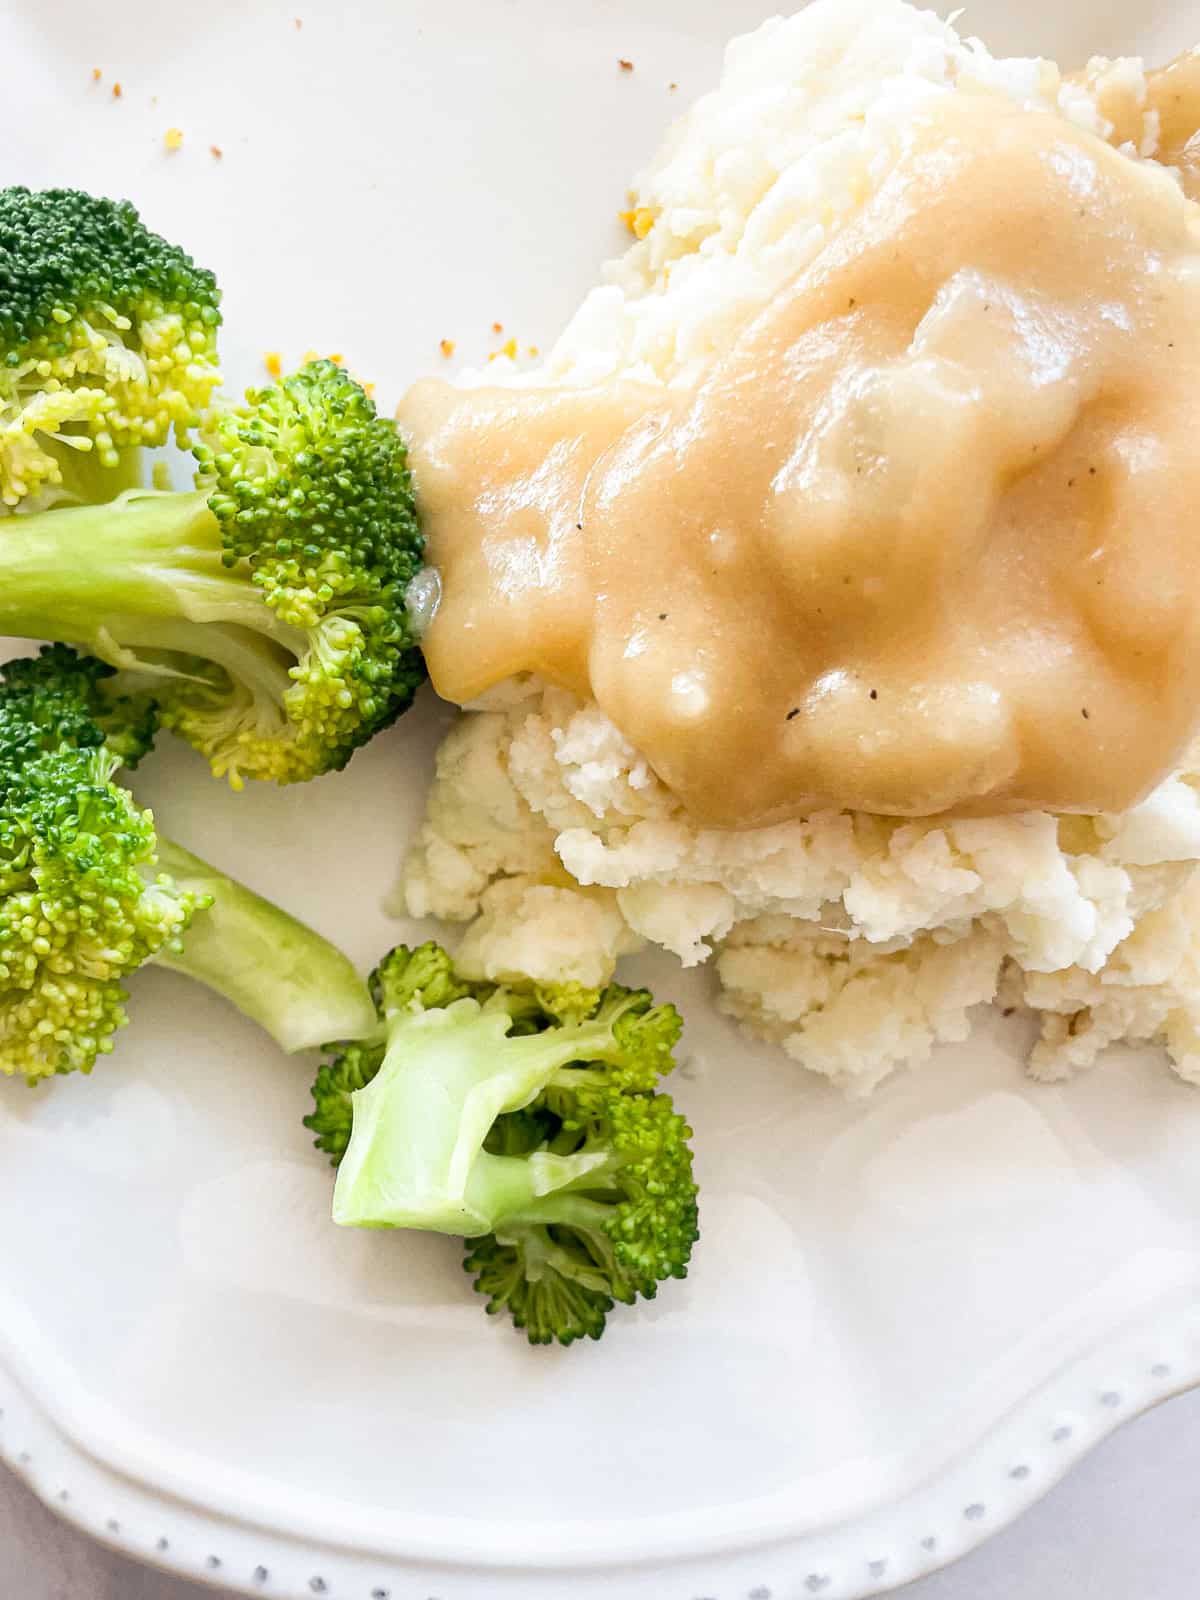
column 662, row 616
column 1008, row 1011
column 794, row 712
column 874, row 694
column 1085, row 713
column 1092, row 471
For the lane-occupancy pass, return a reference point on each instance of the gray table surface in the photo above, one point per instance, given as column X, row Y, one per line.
column 1125, row 1525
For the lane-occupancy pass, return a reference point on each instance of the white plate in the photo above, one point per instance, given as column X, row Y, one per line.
column 906, row 1318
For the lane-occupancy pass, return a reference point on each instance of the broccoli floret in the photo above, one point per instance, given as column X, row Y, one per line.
column 266, row 611
column 626, row 1224
column 527, row 1120
column 107, row 342
column 89, row 892
column 81, row 905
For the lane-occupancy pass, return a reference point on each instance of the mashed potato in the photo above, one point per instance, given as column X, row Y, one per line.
column 856, row 942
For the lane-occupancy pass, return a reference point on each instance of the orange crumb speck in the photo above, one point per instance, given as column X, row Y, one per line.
column 509, row 349
column 338, row 359
column 625, row 66
column 447, row 348
column 215, row 151
column 173, row 138
column 497, row 327
column 369, row 390
column 639, row 222
column 117, row 91
column 273, row 363
column 96, row 74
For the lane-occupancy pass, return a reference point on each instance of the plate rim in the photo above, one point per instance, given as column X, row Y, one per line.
column 1013, row 1464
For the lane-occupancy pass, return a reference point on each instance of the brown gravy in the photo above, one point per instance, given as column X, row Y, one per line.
column 924, row 538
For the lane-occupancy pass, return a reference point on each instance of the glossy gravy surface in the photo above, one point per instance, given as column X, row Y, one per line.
column 925, row 538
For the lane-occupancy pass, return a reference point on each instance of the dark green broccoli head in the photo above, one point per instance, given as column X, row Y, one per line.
column 107, row 342
column 59, row 698
column 550, row 1286
column 332, row 1117
column 80, row 907
column 527, row 1119
column 629, row 1222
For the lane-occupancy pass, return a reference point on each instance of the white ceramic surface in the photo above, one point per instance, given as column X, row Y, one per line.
column 906, row 1318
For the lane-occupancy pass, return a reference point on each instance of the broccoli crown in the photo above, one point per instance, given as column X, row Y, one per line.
column 78, row 906
column 332, row 1117
column 631, row 1221
column 527, row 1119
column 311, row 490
column 266, row 613
column 107, row 340
column 56, row 699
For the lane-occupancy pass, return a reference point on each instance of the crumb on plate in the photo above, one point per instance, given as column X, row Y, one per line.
column 173, row 138
column 638, row 220
column 273, row 363
column 508, row 348
column 447, row 348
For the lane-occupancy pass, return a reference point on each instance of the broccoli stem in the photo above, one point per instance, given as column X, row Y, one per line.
column 143, row 573
column 275, row 970
column 86, row 480
column 415, row 1158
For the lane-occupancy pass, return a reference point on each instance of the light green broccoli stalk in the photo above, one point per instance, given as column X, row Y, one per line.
column 107, row 343
column 266, row 612
column 529, row 1122
column 89, row 892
